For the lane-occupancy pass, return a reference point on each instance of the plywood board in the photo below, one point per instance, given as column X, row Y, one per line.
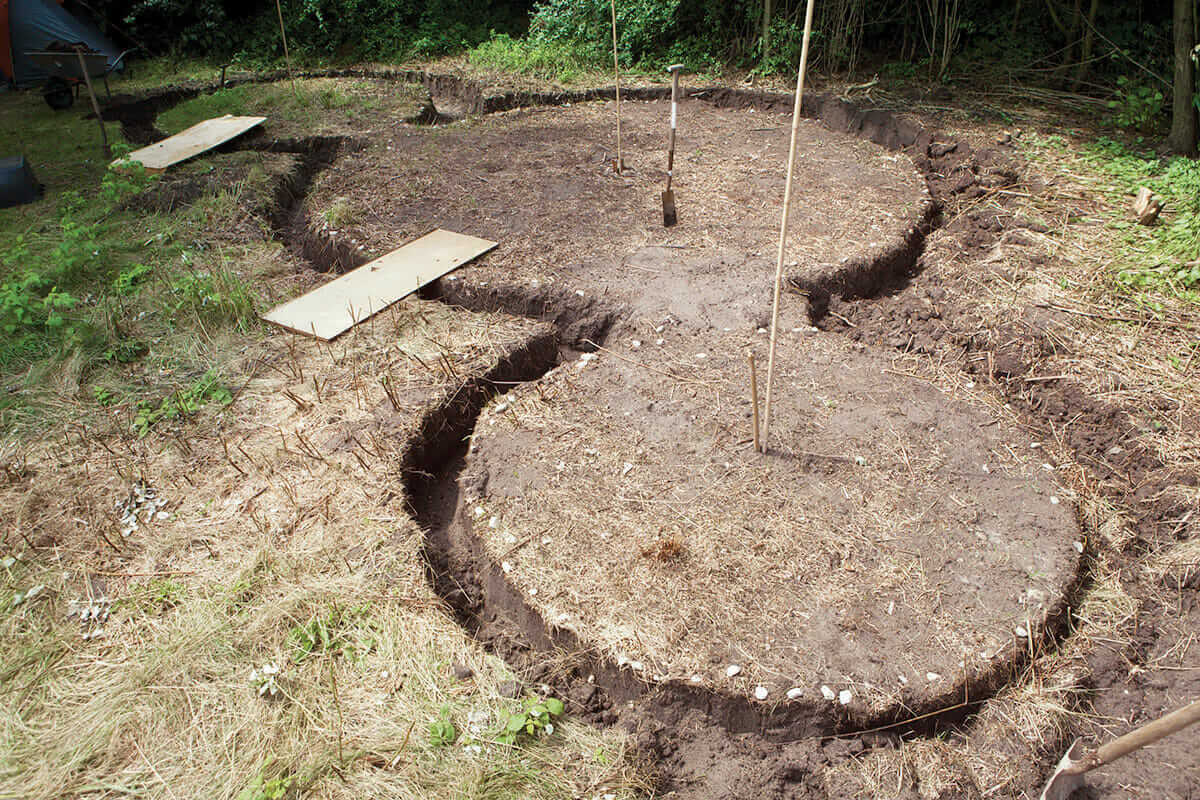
column 334, row 308
column 192, row 142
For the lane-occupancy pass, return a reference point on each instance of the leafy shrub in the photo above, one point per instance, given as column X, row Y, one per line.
column 1136, row 106
column 549, row 60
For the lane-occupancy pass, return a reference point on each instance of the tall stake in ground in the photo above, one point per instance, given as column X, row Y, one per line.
column 783, row 226
column 617, row 78
column 287, row 59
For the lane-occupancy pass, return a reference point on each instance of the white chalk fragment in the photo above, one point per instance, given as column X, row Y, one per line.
column 1078, row 546
column 494, row 523
column 1053, row 500
column 635, row 344
column 828, row 693
column 506, row 566
column 844, row 697
column 697, row 678
column 794, row 693
column 891, row 607
column 932, row 676
column 626, row 469
column 760, row 693
column 733, row 670
column 1021, row 632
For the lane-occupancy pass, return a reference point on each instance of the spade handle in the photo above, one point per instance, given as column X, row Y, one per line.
column 674, row 70
column 1147, row 734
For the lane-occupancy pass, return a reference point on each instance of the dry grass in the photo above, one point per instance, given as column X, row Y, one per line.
column 876, row 529
column 283, row 508
column 540, row 181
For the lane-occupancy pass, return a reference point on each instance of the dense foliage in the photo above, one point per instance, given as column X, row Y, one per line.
column 1120, row 50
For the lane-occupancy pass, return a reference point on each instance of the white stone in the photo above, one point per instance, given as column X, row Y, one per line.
column 844, row 697
column 794, row 693
column 760, row 693
column 733, row 670
column 828, row 693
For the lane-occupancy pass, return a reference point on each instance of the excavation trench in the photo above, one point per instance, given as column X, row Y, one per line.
column 471, row 578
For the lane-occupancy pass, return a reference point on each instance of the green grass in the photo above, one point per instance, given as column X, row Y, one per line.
column 98, row 298
column 545, row 60
column 1154, row 263
column 316, row 106
column 1160, row 258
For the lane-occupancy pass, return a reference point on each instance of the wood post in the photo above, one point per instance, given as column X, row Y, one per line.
column 287, row 59
column 620, row 165
column 95, row 106
column 783, row 226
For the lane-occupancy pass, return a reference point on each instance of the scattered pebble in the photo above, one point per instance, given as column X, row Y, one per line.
column 760, row 693
column 1078, row 546
column 494, row 523
column 932, row 676
column 794, row 693
column 697, row 678
column 828, row 693
column 479, row 512
column 506, row 566
column 1021, row 632
column 636, row 666
column 732, row 670
column 659, row 341
column 903, row 680
column 579, row 292
column 844, row 697
column 1053, row 500
column 625, row 469
column 701, row 356
column 891, row 609
column 635, row 344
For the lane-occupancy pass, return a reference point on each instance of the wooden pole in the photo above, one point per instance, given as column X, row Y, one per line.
column 783, row 226
column 95, row 106
column 287, row 59
column 754, row 397
column 617, row 78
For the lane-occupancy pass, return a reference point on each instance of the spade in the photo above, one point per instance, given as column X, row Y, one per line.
column 668, row 197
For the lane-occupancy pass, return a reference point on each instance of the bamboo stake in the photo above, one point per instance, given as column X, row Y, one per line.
column 92, row 95
column 754, row 398
column 617, row 80
column 287, row 59
column 783, row 226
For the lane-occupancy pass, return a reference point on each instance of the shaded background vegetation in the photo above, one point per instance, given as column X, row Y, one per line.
column 1115, row 49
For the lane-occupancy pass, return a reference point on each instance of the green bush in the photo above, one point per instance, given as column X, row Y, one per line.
column 545, row 59
column 1136, row 106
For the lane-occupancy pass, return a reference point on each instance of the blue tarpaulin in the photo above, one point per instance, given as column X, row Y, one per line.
column 35, row 23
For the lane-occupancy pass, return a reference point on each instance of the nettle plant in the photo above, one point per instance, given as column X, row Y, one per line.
column 535, row 718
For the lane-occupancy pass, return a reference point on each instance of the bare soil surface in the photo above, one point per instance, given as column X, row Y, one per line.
column 896, row 546
column 941, row 349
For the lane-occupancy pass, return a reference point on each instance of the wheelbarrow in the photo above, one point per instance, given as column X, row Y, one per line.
column 67, row 76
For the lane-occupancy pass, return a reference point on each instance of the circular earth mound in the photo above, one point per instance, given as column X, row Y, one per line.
column 541, row 183
column 895, row 543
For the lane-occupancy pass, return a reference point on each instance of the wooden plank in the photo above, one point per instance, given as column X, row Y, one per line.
column 332, row 309
column 192, row 142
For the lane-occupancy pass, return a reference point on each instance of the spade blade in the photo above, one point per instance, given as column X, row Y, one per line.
column 668, row 199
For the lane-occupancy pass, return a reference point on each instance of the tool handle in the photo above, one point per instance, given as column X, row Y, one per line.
column 674, row 115
column 1147, row 734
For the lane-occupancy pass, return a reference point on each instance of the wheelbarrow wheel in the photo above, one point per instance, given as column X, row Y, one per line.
column 58, row 94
